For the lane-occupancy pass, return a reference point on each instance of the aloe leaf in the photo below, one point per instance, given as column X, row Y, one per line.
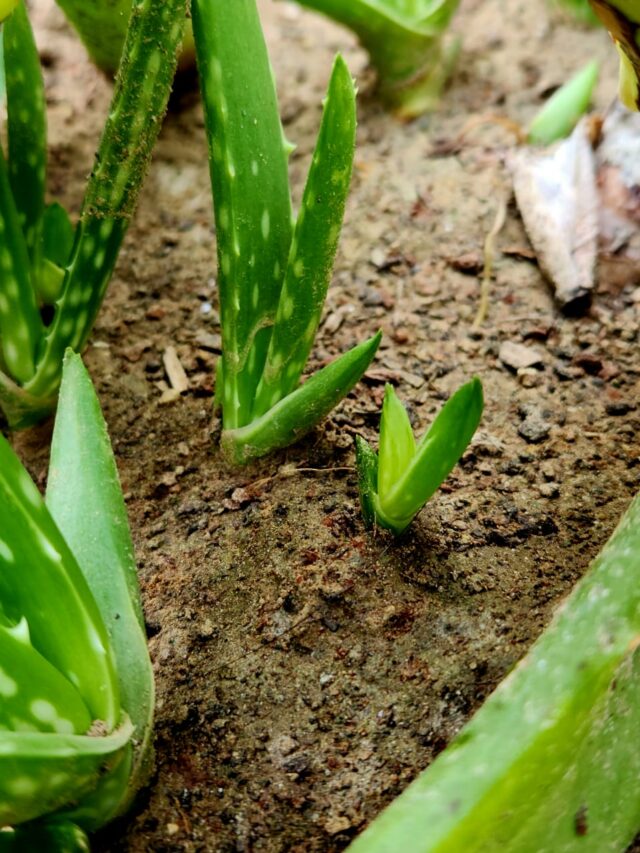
column 102, row 25
column 34, row 837
column 367, row 467
column 562, row 111
column 437, row 453
column 406, row 43
column 20, row 323
column 549, row 762
column 57, row 234
column 26, row 126
column 70, row 635
column 622, row 19
column 297, row 413
column 139, row 103
column 7, row 7
column 35, row 696
column 85, row 499
column 397, row 444
column 314, row 244
column 248, row 164
column 41, row 773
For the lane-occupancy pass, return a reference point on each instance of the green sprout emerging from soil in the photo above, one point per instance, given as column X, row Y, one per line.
column 53, row 278
column 550, row 762
column 76, row 684
column 622, row 19
column 563, row 110
column 397, row 482
column 273, row 273
column 407, row 43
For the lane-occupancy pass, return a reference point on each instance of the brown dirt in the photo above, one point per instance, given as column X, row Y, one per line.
column 307, row 671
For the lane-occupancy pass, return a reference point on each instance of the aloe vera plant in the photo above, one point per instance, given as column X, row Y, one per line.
column 551, row 760
column 273, row 273
column 622, row 19
column 53, row 278
column 76, row 684
column 396, row 482
column 407, row 43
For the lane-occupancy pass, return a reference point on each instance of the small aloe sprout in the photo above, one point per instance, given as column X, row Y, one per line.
column 396, row 482
column 622, row 19
column 76, row 684
column 563, row 110
column 273, row 273
column 407, row 43
column 53, row 277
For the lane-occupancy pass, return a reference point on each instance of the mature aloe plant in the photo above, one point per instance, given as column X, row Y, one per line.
column 76, row 685
column 52, row 278
column 407, row 43
column 396, row 482
column 622, row 19
column 551, row 760
column 273, row 273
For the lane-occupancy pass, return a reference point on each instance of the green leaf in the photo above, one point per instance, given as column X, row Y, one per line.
column 435, row 457
column 135, row 118
column 549, row 762
column 52, row 596
column 38, row 836
column 367, row 466
column 248, row 162
column 561, row 113
column 85, row 499
column 42, row 773
column 314, row 244
column 26, row 127
column 57, row 234
column 20, row 323
column 397, row 444
column 292, row 417
column 406, row 42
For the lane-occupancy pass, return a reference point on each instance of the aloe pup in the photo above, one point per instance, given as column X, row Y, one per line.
column 53, row 278
column 407, row 43
column 396, row 482
column 622, row 19
column 76, row 683
column 550, row 763
column 273, row 273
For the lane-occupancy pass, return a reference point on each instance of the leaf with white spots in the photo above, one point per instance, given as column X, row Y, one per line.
column 248, row 164
column 26, row 127
column 301, row 410
column 314, row 244
column 64, row 623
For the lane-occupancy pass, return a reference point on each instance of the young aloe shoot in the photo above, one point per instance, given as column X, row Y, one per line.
column 550, row 760
column 76, row 683
column 272, row 275
column 563, row 110
column 407, row 44
column 397, row 482
column 622, row 19
column 52, row 279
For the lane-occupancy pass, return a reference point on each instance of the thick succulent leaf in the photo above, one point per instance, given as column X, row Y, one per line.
column 42, row 773
column 137, row 109
column 367, row 467
column 38, row 836
column 562, row 111
column 85, row 499
column 20, row 323
column 40, row 581
column 435, row 456
column 397, row 444
column 314, row 244
column 7, row 7
column 34, row 695
column 549, row 762
column 57, row 234
column 301, row 410
column 26, row 126
column 248, row 163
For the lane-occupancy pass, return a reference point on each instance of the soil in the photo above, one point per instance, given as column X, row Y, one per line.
column 306, row 669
